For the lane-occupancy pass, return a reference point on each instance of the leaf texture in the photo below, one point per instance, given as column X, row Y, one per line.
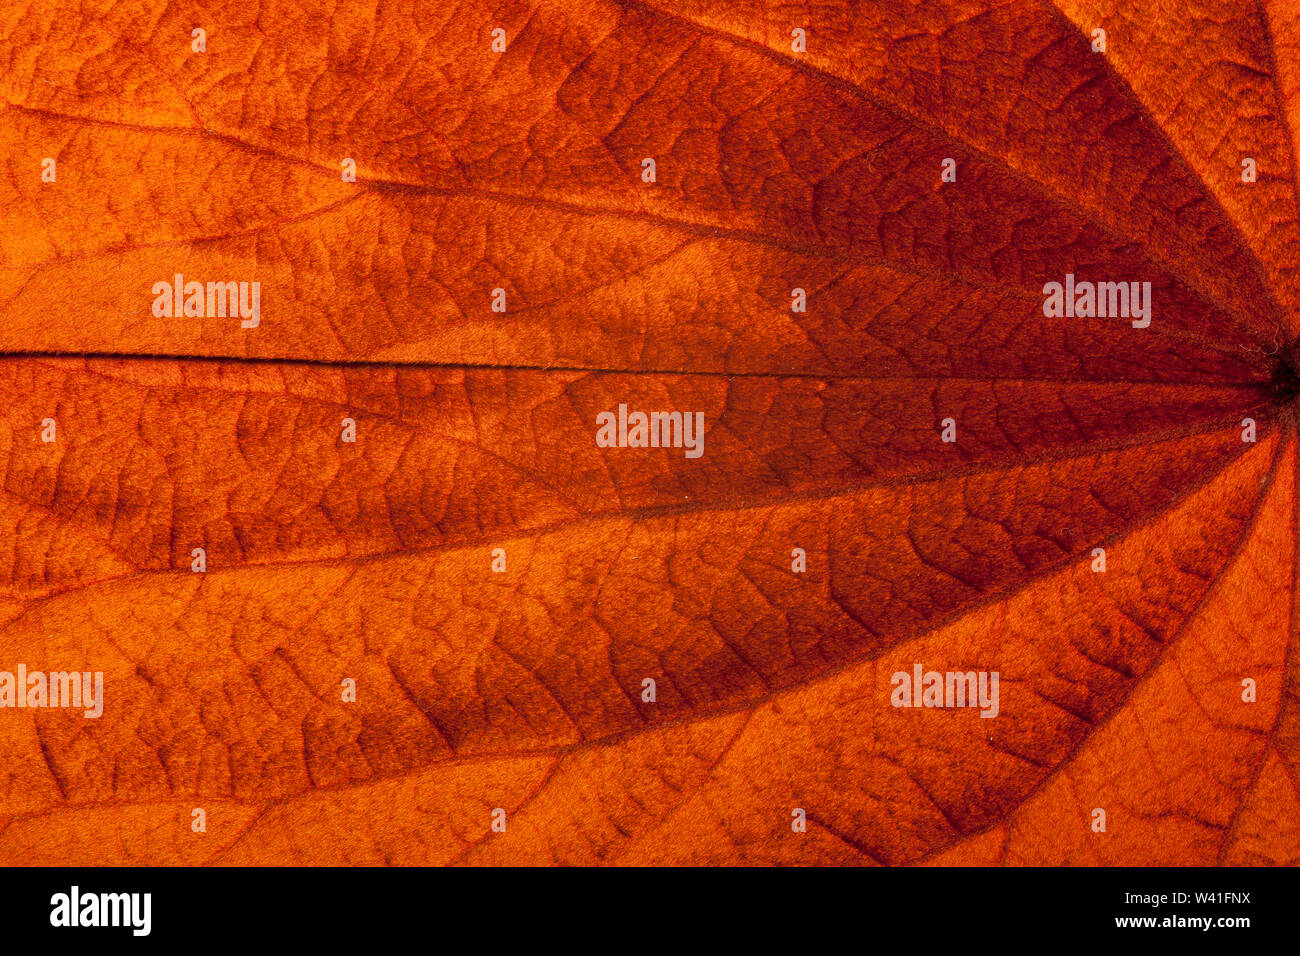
column 521, row 690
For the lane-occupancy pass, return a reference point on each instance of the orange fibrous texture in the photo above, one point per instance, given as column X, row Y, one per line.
column 498, row 586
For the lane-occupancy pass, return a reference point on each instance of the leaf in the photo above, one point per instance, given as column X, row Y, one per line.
column 521, row 690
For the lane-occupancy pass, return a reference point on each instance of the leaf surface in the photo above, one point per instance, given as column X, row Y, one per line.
column 522, row 690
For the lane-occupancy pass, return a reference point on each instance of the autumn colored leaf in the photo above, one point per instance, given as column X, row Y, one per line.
column 365, row 584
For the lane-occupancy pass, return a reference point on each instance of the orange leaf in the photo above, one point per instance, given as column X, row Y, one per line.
column 478, row 633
